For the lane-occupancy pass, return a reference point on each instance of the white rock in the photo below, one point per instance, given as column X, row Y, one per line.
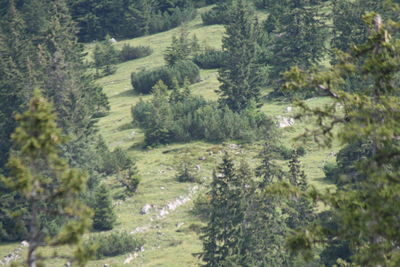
column 24, row 244
column 146, row 209
column 112, row 40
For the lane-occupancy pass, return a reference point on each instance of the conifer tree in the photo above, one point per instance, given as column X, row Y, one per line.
column 104, row 217
column 50, row 187
column 301, row 208
column 15, row 75
column 222, row 235
column 268, row 170
column 367, row 211
column 241, row 76
column 181, row 47
column 298, row 38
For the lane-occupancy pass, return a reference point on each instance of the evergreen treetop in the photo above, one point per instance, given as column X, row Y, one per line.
column 50, row 187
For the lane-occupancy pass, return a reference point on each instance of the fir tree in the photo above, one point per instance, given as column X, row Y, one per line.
column 297, row 40
column 301, row 207
column 222, row 234
column 241, row 76
column 104, row 217
column 181, row 47
column 268, row 170
column 50, row 187
column 367, row 211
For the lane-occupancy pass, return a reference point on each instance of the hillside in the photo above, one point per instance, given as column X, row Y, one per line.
column 169, row 228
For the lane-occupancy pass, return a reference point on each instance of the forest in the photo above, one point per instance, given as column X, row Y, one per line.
column 215, row 133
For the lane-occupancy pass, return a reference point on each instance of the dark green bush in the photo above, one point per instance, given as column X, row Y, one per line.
column 133, row 52
column 113, row 244
column 143, row 81
column 209, row 59
column 196, row 119
column 217, row 15
column 331, row 171
column 301, row 151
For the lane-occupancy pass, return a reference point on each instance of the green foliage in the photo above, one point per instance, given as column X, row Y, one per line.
column 349, row 27
column 221, row 236
column 193, row 118
column 50, row 187
column 181, row 48
column 218, row 14
column 144, row 81
column 128, row 19
column 297, row 38
column 105, row 56
column 241, row 76
column 134, row 52
column 113, row 244
column 364, row 210
column 186, row 170
column 104, row 217
column 210, row 59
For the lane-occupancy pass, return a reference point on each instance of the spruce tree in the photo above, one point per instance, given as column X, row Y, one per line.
column 366, row 212
column 298, row 38
column 15, row 75
column 241, row 76
column 180, row 48
column 104, row 217
column 222, row 235
column 301, row 208
column 50, row 187
column 268, row 170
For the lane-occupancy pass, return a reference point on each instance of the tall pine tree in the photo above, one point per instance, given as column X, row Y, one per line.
column 298, row 38
column 241, row 76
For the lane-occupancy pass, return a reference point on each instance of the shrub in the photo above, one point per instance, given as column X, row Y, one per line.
column 331, row 172
column 217, row 15
column 209, row 59
column 113, row 244
column 193, row 118
column 133, row 52
column 144, row 81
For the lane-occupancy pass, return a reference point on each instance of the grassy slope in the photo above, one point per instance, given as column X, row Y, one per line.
column 165, row 244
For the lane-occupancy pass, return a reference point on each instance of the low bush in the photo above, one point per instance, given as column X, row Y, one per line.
column 143, row 81
column 193, row 118
column 133, row 52
column 209, row 59
column 216, row 15
column 113, row 244
column 331, row 172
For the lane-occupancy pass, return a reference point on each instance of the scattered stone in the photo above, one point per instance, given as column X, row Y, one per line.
column 197, row 168
column 233, row 146
column 112, row 40
column 289, row 109
column 140, row 229
column 146, row 209
column 162, row 171
column 162, row 188
column 178, row 225
column 131, row 258
column 24, row 244
column 285, row 122
column 202, row 158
